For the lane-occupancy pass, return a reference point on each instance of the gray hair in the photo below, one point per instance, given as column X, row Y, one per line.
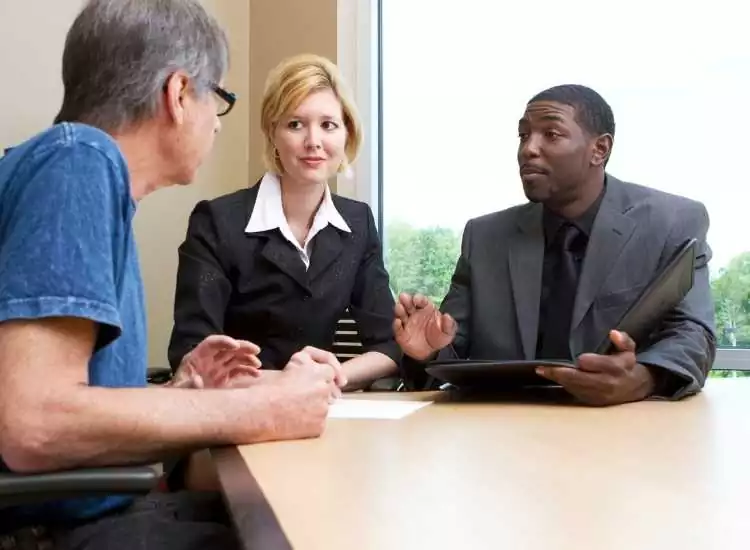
column 119, row 54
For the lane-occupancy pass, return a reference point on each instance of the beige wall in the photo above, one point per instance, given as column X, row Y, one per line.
column 30, row 53
column 162, row 217
column 261, row 33
column 278, row 29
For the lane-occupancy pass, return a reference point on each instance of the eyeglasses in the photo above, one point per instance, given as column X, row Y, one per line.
column 228, row 99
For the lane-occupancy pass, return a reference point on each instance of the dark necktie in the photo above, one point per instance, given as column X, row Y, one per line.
column 559, row 304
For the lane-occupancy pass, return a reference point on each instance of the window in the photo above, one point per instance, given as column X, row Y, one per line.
column 456, row 78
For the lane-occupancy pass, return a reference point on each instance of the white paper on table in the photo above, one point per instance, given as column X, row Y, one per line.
column 374, row 409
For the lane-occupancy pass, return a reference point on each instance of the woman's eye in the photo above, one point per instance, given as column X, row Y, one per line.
column 329, row 125
column 294, row 125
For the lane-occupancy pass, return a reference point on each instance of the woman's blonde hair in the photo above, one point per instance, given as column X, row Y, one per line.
column 287, row 86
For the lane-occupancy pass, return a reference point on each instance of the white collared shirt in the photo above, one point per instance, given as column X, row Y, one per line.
column 268, row 213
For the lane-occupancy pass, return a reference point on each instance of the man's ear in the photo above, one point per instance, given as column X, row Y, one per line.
column 602, row 150
column 175, row 92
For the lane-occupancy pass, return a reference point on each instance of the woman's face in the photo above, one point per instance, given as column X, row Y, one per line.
column 311, row 140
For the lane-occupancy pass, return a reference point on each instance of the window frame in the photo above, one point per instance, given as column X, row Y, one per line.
column 732, row 359
column 360, row 60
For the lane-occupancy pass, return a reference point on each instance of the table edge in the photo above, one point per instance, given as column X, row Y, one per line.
column 253, row 517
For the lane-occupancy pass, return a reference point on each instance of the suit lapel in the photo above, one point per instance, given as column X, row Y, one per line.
column 327, row 246
column 283, row 255
column 526, row 256
column 276, row 248
column 611, row 231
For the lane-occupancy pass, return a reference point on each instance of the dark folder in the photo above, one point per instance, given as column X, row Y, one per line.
column 665, row 291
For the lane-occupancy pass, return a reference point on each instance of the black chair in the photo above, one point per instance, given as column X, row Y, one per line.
column 159, row 375
column 347, row 345
column 17, row 489
column 346, row 341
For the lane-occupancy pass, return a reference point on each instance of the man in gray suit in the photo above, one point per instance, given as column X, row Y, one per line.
column 550, row 278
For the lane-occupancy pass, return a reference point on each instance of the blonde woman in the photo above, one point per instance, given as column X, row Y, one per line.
column 278, row 263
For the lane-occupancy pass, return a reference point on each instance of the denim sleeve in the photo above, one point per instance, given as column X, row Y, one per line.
column 61, row 226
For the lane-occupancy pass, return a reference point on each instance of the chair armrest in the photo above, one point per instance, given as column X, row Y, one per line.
column 159, row 375
column 18, row 489
column 388, row 383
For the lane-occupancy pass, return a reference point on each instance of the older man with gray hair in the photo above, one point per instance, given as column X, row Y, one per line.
column 143, row 92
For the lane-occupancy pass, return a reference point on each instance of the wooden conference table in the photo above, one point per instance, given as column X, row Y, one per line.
column 537, row 474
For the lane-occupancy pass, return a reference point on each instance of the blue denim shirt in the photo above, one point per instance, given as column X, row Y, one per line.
column 67, row 249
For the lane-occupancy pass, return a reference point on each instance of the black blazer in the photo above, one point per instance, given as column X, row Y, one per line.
column 255, row 286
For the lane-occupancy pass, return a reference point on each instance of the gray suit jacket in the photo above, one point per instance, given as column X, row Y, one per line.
column 495, row 290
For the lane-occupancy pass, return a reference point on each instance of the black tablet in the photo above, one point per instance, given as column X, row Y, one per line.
column 667, row 289
column 492, row 374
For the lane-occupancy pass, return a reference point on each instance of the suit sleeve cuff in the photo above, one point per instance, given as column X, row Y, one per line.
column 669, row 383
